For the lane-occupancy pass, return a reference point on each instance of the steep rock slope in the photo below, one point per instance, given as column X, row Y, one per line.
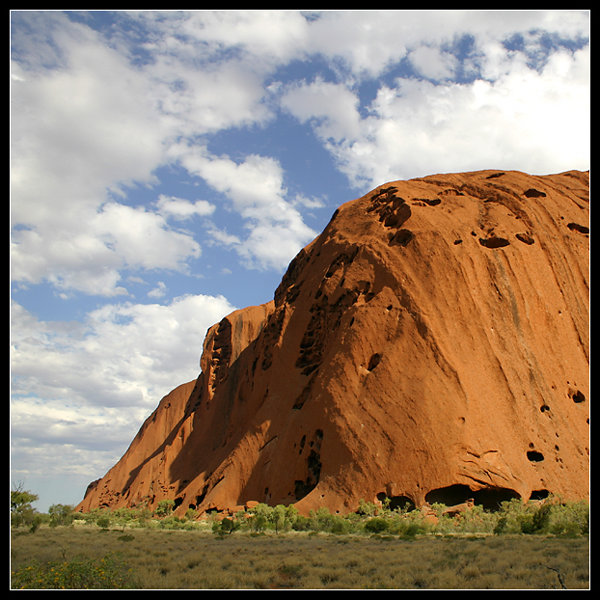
column 431, row 345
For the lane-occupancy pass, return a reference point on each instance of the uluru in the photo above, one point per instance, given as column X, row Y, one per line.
column 430, row 345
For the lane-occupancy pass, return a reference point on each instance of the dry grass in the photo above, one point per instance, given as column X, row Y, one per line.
column 162, row 559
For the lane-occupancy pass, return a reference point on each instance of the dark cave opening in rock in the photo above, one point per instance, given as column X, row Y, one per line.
column 450, row 495
column 396, row 502
column 490, row 498
column 539, row 495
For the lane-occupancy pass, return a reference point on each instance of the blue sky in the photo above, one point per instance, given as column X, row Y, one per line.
column 167, row 166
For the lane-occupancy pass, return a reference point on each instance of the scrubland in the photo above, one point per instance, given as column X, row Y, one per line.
column 518, row 548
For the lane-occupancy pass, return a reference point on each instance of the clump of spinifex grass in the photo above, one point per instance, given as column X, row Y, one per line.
column 107, row 572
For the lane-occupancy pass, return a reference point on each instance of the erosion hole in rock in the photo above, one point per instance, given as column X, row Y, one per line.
column 397, row 218
column 374, row 361
column 396, row 502
column 450, row 495
column 302, row 442
column 525, row 238
column 494, row 242
column 177, row 502
column 539, row 495
column 533, row 193
column 313, row 464
column 579, row 228
column 401, row 238
column 535, row 456
column 578, row 397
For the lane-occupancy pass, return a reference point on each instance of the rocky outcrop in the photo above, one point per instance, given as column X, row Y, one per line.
column 431, row 345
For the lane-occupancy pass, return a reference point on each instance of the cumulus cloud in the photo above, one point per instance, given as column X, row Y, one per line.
column 433, row 63
column 514, row 115
column 94, row 121
column 257, row 193
column 89, row 256
column 81, row 129
column 123, row 354
column 332, row 107
column 181, row 209
column 93, row 383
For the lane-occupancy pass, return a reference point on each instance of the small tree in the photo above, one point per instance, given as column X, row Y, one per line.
column 60, row 514
column 261, row 516
column 21, row 511
column 277, row 517
column 227, row 526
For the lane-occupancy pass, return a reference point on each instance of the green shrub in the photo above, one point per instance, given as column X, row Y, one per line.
column 367, row 509
column 260, row 516
column 376, row 525
column 225, row 527
column 103, row 521
column 570, row 519
column 301, row 523
column 341, row 525
column 408, row 526
column 164, row 508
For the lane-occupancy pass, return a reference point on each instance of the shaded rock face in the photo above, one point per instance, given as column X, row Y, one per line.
column 431, row 345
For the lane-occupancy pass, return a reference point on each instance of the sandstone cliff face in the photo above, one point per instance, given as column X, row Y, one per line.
column 430, row 345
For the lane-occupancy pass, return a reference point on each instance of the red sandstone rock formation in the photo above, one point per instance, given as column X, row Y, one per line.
column 431, row 345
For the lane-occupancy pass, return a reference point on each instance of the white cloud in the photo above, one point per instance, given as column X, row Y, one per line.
column 89, row 256
column 159, row 291
column 199, row 101
column 87, row 121
column 270, row 34
column 91, row 384
column 333, row 108
column 142, row 239
column 433, row 63
column 368, row 42
column 181, row 209
column 526, row 119
column 257, row 193
column 123, row 354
